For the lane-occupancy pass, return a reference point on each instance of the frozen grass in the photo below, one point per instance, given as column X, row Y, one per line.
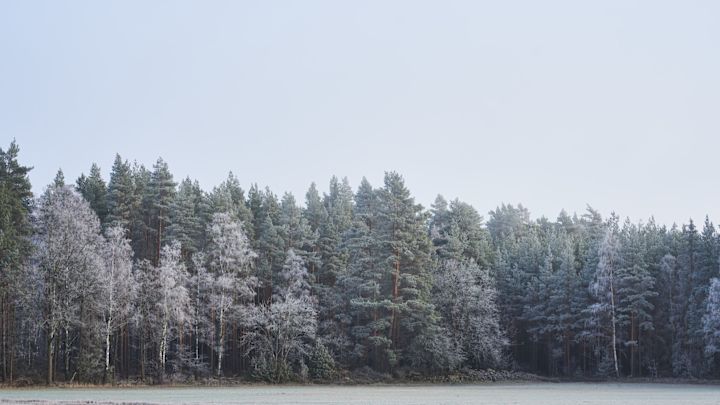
column 520, row 394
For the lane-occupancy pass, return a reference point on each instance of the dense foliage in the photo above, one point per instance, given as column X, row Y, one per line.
column 146, row 278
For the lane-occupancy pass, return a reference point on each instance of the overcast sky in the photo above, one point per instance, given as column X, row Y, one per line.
column 553, row 104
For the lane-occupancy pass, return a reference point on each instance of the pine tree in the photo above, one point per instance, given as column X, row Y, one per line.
column 315, row 213
column 141, row 229
column 604, row 289
column 685, row 360
column 593, row 231
column 268, row 239
column 405, row 261
column 705, row 269
column 333, row 257
column 120, row 194
column 457, row 232
column 15, row 244
column 361, row 284
column 562, row 308
column 293, row 227
column 93, row 189
column 188, row 218
column 161, row 193
column 635, row 290
column 230, row 197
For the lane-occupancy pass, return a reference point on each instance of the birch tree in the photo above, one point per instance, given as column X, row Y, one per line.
column 285, row 329
column 604, row 289
column 230, row 259
column 69, row 246
column 119, row 286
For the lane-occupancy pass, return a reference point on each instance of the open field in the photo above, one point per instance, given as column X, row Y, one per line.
column 520, row 394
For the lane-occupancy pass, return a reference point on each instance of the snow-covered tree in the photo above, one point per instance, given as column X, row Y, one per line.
column 465, row 296
column 230, row 259
column 164, row 305
column 635, row 290
column 283, row 331
column 604, row 289
column 711, row 323
column 200, row 289
column 69, row 255
column 119, row 290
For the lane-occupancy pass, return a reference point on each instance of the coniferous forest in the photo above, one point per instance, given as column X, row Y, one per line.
column 144, row 276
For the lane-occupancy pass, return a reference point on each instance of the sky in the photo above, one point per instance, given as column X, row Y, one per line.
column 552, row 104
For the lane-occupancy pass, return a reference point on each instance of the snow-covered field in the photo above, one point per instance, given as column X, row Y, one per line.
column 520, row 394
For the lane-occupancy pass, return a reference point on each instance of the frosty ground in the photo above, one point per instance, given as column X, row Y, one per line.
column 518, row 393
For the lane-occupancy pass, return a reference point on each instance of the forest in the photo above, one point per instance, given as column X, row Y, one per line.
column 149, row 278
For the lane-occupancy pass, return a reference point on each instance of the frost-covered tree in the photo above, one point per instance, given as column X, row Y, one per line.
column 268, row 240
column 373, row 280
column 711, row 324
column 172, row 308
column 635, row 290
column 685, row 361
column 561, row 308
column 361, row 283
column 69, row 255
column 458, row 233
column 200, row 289
column 282, row 332
column 164, row 305
column 189, row 214
column 465, row 297
column 229, row 197
column 604, row 289
column 705, row 269
column 404, row 257
column 230, row 260
column 119, row 290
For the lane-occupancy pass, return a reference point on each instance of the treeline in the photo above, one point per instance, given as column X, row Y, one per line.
column 144, row 278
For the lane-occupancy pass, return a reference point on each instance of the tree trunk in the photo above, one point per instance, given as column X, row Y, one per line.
column 107, row 350
column 50, row 354
column 614, row 333
column 67, row 353
column 221, row 337
column 394, row 332
column 634, row 344
column 163, row 347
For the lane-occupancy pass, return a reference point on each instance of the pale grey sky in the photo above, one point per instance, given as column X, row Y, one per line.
column 554, row 104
